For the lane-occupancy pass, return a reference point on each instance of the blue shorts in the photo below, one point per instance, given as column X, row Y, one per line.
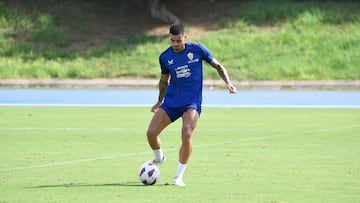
column 176, row 112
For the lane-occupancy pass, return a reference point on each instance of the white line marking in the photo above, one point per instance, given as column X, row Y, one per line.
column 122, row 129
column 284, row 134
column 72, row 162
column 68, row 129
column 340, row 106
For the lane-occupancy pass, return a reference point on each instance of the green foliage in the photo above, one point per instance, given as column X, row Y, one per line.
column 256, row 40
column 143, row 39
column 292, row 51
column 48, row 32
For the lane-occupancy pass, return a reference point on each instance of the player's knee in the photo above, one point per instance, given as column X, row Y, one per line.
column 186, row 135
column 150, row 133
column 187, row 131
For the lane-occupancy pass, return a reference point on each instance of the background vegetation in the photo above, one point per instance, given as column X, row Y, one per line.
column 255, row 40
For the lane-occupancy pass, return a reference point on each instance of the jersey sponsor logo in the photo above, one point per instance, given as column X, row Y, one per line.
column 183, row 71
column 193, row 61
column 170, row 62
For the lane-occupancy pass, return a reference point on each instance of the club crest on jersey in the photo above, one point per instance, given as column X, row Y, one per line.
column 190, row 56
column 170, row 62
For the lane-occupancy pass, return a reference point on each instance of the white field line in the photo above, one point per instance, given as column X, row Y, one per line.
column 341, row 106
column 285, row 134
column 66, row 129
column 117, row 129
column 73, row 161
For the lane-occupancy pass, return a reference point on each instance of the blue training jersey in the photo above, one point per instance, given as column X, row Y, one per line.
column 186, row 74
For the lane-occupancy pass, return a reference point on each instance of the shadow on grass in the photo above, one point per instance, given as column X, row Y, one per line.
column 124, row 184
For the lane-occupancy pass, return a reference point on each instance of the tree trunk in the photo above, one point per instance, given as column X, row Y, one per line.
column 160, row 12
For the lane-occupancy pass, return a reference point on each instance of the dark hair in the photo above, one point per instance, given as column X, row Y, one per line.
column 177, row 29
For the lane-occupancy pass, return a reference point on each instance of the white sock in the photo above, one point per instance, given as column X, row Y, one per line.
column 158, row 154
column 180, row 171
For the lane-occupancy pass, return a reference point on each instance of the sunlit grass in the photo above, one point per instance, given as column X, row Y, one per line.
column 92, row 154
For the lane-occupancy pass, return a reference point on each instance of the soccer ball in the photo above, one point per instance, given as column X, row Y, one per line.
column 149, row 173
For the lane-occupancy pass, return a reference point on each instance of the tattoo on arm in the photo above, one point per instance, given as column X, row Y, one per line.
column 163, row 84
column 221, row 71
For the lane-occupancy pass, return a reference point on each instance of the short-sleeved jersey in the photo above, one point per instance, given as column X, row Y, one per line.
column 186, row 74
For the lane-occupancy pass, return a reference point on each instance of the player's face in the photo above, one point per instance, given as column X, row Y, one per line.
column 178, row 42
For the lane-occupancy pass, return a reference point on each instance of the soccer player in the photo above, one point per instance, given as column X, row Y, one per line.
column 180, row 94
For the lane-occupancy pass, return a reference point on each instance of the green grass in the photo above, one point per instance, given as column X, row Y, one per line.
column 255, row 40
column 92, row 154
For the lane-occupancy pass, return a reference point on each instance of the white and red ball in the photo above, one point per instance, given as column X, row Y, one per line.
column 149, row 173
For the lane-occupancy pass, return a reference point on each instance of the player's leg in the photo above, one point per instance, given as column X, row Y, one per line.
column 159, row 121
column 190, row 118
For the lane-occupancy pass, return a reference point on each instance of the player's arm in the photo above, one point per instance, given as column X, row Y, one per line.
column 163, row 84
column 224, row 75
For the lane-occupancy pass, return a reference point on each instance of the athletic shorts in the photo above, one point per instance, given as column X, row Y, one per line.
column 176, row 112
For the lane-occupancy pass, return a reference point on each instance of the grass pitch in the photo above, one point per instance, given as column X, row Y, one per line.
column 92, row 154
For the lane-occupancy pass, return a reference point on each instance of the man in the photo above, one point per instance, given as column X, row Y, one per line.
column 180, row 94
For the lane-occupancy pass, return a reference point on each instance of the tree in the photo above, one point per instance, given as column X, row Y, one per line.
column 159, row 11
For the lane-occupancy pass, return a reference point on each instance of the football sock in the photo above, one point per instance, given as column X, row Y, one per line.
column 180, row 171
column 158, row 154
